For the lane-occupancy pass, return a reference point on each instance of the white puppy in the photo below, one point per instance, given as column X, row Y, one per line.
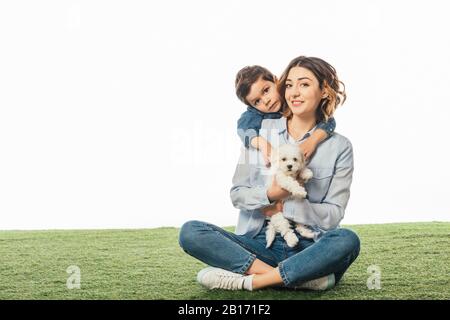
column 291, row 174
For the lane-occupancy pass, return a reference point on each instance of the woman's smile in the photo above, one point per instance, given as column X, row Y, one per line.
column 297, row 103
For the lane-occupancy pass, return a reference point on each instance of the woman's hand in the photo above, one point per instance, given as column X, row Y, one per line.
column 275, row 192
column 273, row 209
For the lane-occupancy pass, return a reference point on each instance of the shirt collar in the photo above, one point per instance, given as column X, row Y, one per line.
column 282, row 129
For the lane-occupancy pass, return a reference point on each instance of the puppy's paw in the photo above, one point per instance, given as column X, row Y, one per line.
column 301, row 193
column 307, row 174
column 305, row 232
column 270, row 236
column 291, row 239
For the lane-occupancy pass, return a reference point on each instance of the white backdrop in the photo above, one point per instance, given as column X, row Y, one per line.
column 122, row 114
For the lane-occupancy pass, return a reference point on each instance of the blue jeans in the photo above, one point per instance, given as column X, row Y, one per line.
column 333, row 253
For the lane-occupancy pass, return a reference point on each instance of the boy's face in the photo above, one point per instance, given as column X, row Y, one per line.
column 264, row 96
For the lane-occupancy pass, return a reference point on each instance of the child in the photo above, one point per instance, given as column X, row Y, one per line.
column 256, row 87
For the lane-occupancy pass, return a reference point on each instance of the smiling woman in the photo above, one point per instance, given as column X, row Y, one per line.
column 311, row 80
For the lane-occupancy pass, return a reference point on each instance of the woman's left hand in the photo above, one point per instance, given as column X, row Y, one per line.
column 275, row 192
column 273, row 209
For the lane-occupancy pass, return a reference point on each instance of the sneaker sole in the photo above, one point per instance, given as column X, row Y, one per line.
column 203, row 272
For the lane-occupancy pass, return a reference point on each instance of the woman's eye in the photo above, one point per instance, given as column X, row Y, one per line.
column 257, row 102
column 288, row 85
column 266, row 90
column 304, row 85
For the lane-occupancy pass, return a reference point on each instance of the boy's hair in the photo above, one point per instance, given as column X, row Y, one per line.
column 248, row 76
column 327, row 77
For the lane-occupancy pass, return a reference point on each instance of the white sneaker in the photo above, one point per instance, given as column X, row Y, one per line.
column 319, row 284
column 216, row 278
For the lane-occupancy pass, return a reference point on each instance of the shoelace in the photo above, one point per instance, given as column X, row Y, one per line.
column 230, row 282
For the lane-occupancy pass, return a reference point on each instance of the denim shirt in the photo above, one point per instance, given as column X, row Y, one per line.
column 328, row 190
column 250, row 122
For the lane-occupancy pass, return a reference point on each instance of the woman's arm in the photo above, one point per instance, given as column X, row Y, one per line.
column 249, row 190
column 243, row 194
column 330, row 211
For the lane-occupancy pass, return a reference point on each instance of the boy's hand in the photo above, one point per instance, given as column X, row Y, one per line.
column 266, row 151
column 264, row 147
column 308, row 147
column 273, row 209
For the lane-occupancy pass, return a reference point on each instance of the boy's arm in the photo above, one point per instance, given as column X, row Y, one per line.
column 264, row 146
column 328, row 127
column 248, row 127
column 323, row 131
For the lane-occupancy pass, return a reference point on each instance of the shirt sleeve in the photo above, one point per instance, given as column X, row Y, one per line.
column 243, row 194
column 248, row 127
column 327, row 214
column 328, row 126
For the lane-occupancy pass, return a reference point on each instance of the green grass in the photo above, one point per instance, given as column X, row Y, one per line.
column 148, row 264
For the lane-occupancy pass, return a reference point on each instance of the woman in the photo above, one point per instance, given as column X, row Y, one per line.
column 310, row 91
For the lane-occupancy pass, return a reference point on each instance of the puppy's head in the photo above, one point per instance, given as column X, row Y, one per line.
column 288, row 158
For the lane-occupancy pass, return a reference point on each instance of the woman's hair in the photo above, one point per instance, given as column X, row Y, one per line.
column 328, row 80
column 248, row 76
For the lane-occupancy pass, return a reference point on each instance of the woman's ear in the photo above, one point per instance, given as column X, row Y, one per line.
column 325, row 90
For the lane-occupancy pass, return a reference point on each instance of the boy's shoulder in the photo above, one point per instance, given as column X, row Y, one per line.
column 249, row 119
column 254, row 113
column 250, row 114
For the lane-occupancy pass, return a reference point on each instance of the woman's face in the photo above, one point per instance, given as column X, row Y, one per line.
column 264, row 96
column 303, row 93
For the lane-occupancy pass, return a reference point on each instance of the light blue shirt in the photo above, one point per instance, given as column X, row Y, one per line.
column 328, row 190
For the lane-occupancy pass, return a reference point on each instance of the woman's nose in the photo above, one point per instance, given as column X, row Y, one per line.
column 295, row 91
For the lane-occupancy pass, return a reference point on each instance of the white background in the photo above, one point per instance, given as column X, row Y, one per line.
column 122, row 114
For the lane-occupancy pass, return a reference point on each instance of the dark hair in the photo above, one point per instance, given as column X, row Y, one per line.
column 248, row 76
column 328, row 80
